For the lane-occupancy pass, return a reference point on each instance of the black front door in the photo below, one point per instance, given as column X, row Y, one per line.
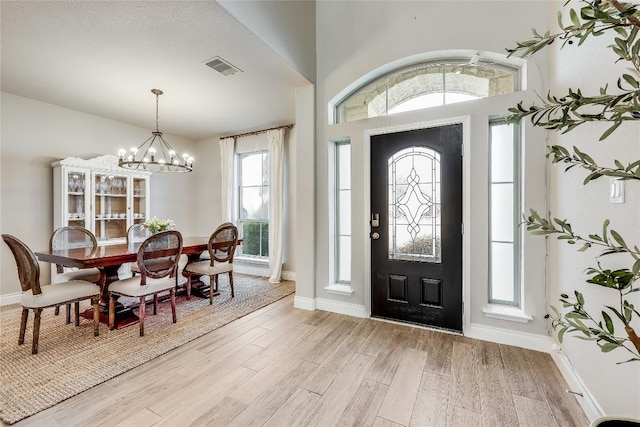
column 416, row 231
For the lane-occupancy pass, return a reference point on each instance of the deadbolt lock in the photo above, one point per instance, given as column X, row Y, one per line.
column 375, row 235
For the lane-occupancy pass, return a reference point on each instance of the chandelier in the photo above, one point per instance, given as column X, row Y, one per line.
column 155, row 154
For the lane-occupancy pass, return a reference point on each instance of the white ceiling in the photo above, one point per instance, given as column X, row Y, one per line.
column 104, row 57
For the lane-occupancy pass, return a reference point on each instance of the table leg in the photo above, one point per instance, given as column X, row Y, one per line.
column 124, row 315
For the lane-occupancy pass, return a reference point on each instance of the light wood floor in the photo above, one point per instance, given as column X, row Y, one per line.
column 281, row 366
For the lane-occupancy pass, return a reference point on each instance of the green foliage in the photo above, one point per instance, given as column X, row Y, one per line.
column 255, row 238
column 565, row 113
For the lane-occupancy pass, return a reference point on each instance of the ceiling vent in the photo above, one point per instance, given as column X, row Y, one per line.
column 222, row 66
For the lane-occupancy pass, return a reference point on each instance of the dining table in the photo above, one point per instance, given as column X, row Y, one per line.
column 108, row 259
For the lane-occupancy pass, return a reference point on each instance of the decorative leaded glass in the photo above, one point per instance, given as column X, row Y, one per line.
column 414, row 205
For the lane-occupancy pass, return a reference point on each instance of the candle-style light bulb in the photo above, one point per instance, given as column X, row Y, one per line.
column 152, row 152
column 121, row 153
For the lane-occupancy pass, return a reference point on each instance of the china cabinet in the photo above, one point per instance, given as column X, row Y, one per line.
column 99, row 195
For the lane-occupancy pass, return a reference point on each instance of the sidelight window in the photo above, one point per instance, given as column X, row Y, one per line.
column 343, row 212
column 504, row 214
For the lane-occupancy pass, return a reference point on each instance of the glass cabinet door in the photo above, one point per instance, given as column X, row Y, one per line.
column 139, row 189
column 110, row 206
column 76, row 206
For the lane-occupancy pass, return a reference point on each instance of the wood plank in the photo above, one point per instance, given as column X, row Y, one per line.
column 364, row 406
column 458, row 417
column 186, row 408
column 381, row 422
column 331, row 406
column 564, row 406
column 430, row 409
column 465, row 387
column 277, row 348
column 294, row 410
column 266, row 378
column 320, row 350
column 141, row 418
column 403, row 391
column 270, row 400
column 388, row 359
column 378, row 338
column 281, row 329
column 495, row 397
column 439, row 348
column 533, row 413
column 320, row 380
column 519, row 372
column 221, row 413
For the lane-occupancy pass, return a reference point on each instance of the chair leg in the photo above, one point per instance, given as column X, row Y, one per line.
column 76, row 307
column 189, row 286
column 231, row 283
column 112, row 312
column 172, row 294
column 96, row 316
column 216, row 288
column 23, row 325
column 211, row 281
column 68, row 314
column 36, row 330
column 57, row 310
column 141, row 310
column 155, row 304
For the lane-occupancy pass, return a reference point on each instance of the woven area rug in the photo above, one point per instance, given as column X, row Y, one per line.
column 71, row 360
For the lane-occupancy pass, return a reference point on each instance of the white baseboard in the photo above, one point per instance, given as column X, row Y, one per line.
column 10, row 299
column 588, row 402
column 504, row 336
column 340, row 307
column 304, row 303
column 258, row 270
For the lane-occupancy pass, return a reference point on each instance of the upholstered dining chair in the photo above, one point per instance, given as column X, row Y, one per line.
column 221, row 248
column 158, row 259
column 67, row 238
column 37, row 297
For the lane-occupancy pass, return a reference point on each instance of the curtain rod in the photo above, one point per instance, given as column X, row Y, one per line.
column 256, row 132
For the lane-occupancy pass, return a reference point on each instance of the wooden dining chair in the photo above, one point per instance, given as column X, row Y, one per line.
column 221, row 248
column 136, row 234
column 36, row 297
column 67, row 238
column 158, row 259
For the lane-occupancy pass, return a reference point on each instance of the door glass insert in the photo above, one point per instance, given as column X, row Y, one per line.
column 414, row 205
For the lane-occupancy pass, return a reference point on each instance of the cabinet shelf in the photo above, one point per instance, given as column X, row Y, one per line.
column 110, row 195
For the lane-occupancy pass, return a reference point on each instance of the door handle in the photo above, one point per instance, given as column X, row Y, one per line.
column 375, row 235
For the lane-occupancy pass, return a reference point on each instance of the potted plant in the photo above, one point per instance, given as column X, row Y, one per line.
column 610, row 328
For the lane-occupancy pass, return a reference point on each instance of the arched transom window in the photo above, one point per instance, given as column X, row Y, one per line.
column 428, row 84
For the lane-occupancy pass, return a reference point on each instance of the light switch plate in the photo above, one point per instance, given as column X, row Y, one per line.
column 616, row 191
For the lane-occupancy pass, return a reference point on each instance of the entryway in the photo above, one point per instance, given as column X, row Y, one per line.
column 416, row 226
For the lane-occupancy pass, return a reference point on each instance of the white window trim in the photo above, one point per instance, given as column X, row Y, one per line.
column 505, row 312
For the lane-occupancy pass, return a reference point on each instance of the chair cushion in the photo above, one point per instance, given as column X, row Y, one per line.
column 131, row 287
column 205, row 268
column 59, row 293
column 88, row 274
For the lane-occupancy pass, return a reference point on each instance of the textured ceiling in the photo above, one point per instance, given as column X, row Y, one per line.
column 104, row 57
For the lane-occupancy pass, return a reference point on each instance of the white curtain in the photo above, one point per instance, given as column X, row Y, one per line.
column 227, row 148
column 276, row 202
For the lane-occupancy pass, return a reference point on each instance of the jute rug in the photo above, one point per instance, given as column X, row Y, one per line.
column 71, row 360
